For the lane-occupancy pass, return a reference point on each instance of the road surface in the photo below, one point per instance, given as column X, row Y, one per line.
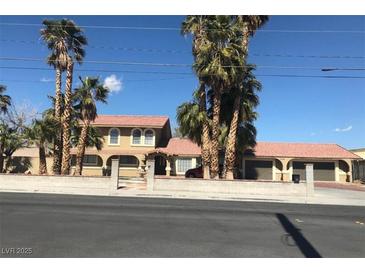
column 41, row 225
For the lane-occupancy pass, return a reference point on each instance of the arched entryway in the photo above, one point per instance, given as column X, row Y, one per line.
column 160, row 165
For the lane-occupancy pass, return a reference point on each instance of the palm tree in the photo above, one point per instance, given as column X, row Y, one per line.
column 54, row 34
column 86, row 96
column 197, row 25
column 248, row 25
column 11, row 139
column 241, row 115
column 66, row 41
column 5, row 100
column 41, row 132
column 220, row 64
column 190, row 122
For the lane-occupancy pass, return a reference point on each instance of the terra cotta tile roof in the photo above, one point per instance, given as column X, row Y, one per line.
column 301, row 150
column 181, row 147
column 131, row 120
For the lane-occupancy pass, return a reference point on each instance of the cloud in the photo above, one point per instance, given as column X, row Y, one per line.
column 46, row 80
column 343, row 129
column 113, row 83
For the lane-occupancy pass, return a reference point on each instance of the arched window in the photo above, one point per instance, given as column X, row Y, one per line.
column 149, row 137
column 114, row 136
column 136, row 136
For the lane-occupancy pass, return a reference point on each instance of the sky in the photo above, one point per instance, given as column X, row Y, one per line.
column 292, row 108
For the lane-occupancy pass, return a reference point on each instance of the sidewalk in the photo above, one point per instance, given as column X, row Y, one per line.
column 323, row 196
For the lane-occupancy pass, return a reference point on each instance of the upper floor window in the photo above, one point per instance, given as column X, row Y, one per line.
column 114, row 136
column 136, row 136
column 149, row 137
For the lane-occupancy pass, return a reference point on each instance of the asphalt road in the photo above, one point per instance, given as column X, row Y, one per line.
column 40, row 225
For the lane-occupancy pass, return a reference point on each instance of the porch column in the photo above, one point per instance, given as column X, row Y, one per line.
column 349, row 173
column 168, row 167
column 285, row 172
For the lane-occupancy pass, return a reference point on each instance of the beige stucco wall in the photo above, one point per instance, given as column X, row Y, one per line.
column 359, row 152
column 125, row 141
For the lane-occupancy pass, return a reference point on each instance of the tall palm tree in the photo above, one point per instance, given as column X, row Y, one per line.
column 66, row 42
column 41, row 132
column 197, row 25
column 219, row 62
column 241, row 115
column 86, row 96
column 55, row 34
column 5, row 100
column 247, row 24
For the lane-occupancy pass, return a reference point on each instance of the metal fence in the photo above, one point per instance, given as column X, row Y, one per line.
column 358, row 170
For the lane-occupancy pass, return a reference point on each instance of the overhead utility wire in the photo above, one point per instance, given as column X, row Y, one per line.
column 191, row 74
column 174, row 51
column 178, row 29
column 323, row 68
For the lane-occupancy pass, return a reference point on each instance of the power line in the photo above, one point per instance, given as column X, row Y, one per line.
column 178, row 29
column 191, row 74
column 325, row 68
column 50, row 81
column 173, row 51
column 102, row 70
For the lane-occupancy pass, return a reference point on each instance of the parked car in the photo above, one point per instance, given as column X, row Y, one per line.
column 194, row 172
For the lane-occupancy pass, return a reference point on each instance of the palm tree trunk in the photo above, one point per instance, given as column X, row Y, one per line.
column 1, row 162
column 230, row 154
column 214, row 152
column 66, row 120
column 231, row 147
column 42, row 159
column 81, row 148
column 57, row 146
column 205, row 133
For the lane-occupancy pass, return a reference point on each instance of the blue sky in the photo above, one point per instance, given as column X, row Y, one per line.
column 317, row 110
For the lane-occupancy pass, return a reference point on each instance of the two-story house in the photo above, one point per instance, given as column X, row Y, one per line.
column 134, row 139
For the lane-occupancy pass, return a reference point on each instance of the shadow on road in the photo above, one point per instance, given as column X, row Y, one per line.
column 301, row 242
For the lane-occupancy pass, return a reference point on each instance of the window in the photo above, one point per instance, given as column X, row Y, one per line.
column 183, row 164
column 128, row 161
column 114, row 136
column 149, row 137
column 136, row 136
column 90, row 160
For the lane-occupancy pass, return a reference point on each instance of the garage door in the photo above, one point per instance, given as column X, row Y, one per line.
column 258, row 170
column 324, row 171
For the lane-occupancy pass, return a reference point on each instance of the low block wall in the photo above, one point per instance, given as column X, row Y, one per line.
column 55, row 184
column 229, row 187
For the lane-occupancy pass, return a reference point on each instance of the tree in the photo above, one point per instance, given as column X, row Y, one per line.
column 55, row 35
column 41, row 133
column 248, row 24
column 86, row 96
column 5, row 100
column 66, row 41
column 241, row 116
column 220, row 64
column 197, row 26
column 11, row 139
